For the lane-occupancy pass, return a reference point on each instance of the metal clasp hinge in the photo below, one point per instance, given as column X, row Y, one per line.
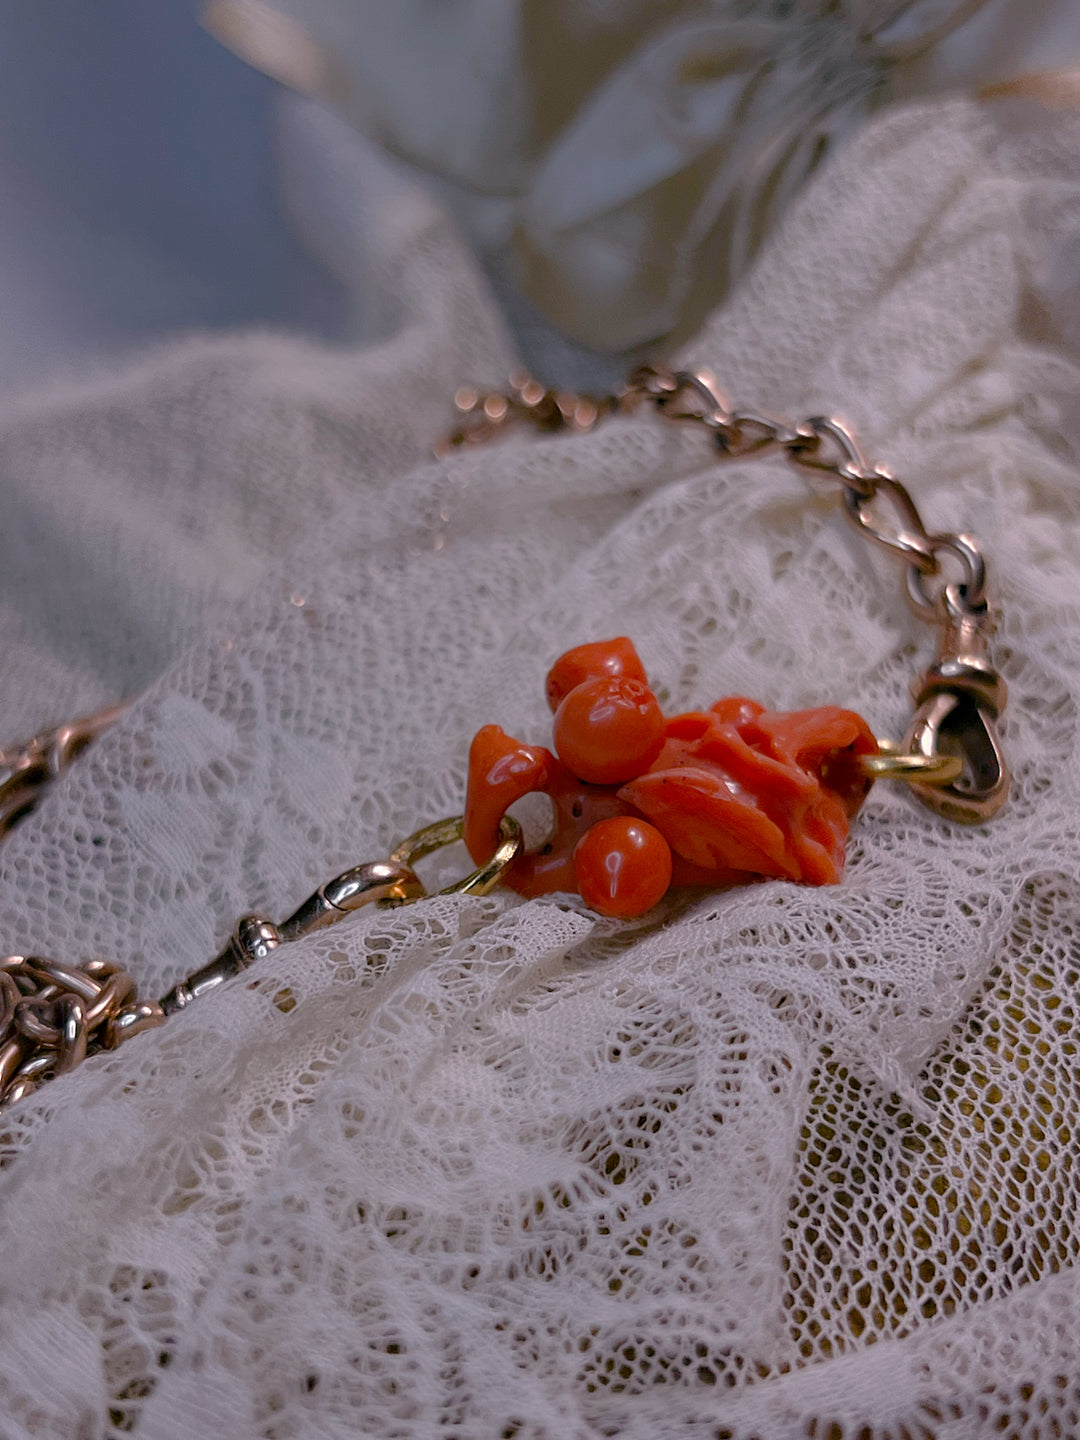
column 959, row 700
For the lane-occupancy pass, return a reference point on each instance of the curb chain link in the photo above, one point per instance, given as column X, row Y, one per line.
column 878, row 505
column 28, row 768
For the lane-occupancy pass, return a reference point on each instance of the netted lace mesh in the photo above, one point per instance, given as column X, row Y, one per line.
column 776, row 1162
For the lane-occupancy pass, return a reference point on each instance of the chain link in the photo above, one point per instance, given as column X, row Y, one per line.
column 526, row 401
column 52, row 1016
column 29, row 767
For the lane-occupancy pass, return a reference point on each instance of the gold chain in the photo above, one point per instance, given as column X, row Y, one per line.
column 53, row 1015
column 28, row 768
column 960, row 696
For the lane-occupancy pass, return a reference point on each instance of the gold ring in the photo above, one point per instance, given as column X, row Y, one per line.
column 891, row 764
column 447, row 832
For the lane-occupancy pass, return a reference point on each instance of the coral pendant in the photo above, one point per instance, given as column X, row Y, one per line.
column 713, row 797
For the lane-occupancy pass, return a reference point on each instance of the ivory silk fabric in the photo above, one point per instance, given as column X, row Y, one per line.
column 777, row 1162
column 621, row 162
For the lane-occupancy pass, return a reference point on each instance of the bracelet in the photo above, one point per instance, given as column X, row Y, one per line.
column 680, row 793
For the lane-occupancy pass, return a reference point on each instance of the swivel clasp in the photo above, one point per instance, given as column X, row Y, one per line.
column 959, row 700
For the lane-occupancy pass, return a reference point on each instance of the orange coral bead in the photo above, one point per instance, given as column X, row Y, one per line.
column 501, row 770
column 608, row 731
column 602, row 660
column 623, row 867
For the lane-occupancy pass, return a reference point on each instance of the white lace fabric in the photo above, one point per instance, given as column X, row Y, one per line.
column 778, row 1162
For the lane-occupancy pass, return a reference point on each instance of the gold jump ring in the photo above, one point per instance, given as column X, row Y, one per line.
column 447, row 832
column 891, row 764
